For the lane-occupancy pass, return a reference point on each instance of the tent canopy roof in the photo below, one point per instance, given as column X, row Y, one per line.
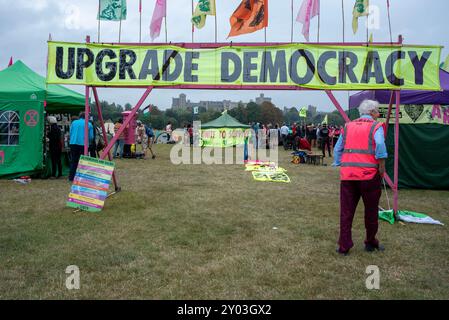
column 224, row 121
column 19, row 83
column 407, row 96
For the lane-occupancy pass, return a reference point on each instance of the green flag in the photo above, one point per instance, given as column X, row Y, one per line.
column 360, row 9
column 303, row 113
column 112, row 10
column 203, row 8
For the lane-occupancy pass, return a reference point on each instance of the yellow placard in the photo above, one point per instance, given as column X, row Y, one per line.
column 302, row 65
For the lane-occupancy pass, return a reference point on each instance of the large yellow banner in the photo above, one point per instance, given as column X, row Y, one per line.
column 302, row 65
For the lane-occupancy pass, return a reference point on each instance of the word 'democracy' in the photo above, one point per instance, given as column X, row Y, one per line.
column 302, row 65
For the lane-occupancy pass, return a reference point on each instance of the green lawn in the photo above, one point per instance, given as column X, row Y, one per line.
column 206, row 232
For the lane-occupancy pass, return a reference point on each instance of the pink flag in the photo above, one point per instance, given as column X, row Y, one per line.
column 309, row 9
column 10, row 62
column 159, row 13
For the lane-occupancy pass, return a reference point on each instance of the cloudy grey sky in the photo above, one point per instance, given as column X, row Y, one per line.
column 26, row 24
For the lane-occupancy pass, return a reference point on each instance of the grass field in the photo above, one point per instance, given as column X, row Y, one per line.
column 207, row 232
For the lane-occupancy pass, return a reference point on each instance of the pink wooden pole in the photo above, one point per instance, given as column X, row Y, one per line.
column 338, row 106
column 126, row 122
column 103, row 129
column 396, row 152
column 86, row 115
column 390, row 107
column 86, row 122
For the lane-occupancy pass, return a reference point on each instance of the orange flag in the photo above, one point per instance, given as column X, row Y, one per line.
column 250, row 16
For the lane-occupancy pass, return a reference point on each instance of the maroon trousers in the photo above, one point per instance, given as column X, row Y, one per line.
column 350, row 193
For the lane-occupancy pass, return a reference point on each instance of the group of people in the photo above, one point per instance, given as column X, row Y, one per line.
column 304, row 137
column 144, row 136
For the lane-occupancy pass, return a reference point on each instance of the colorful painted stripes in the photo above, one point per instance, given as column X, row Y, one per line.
column 91, row 184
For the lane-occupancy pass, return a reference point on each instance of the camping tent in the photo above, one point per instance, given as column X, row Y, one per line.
column 225, row 131
column 22, row 117
column 424, row 135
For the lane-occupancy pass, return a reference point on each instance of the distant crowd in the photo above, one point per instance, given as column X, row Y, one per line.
column 302, row 137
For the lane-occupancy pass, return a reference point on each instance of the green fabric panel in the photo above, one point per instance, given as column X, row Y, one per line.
column 46, row 172
column 20, row 83
column 27, row 155
column 423, row 156
column 224, row 121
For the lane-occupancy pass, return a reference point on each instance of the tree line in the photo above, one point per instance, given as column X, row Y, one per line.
column 265, row 113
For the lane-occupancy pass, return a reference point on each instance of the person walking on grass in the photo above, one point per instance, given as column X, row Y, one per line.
column 361, row 152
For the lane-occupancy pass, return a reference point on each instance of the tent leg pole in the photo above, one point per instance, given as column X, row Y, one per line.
column 337, row 105
column 396, row 152
column 86, row 122
column 126, row 122
column 105, row 136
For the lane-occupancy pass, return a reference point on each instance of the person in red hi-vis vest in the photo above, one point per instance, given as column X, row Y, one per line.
column 361, row 152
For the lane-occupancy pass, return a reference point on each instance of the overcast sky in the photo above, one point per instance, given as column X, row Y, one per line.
column 25, row 26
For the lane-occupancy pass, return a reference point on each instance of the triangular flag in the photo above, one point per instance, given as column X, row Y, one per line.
column 203, row 9
column 10, row 62
column 446, row 64
column 250, row 16
column 325, row 121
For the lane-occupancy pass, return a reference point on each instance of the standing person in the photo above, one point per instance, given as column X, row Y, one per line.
column 190, row 133
column 325, row 140
column 361, row 153
column 169, row 130
column 55, row 147
column 120, row 142
column 150, row 133
column 142, row 138
column 336, row 135
column 284, row 134
column 77, row 142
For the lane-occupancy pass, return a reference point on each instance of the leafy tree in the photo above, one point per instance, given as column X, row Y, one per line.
column 270, row 114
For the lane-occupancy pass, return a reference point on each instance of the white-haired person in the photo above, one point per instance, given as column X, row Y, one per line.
column 361, row 152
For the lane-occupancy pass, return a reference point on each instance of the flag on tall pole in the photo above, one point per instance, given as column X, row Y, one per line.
column 159, row 13
column 303, row 113
column 360, row 9
column 250, row 16
column 112, row 10
column 203, row 9
column 308, row 10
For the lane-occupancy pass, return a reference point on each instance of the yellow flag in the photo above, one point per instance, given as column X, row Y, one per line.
column 203, row 9
column 360, row 9
column 325, row 121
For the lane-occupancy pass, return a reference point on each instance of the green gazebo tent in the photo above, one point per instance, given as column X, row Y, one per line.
column 22, row 117
column 225, row 131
